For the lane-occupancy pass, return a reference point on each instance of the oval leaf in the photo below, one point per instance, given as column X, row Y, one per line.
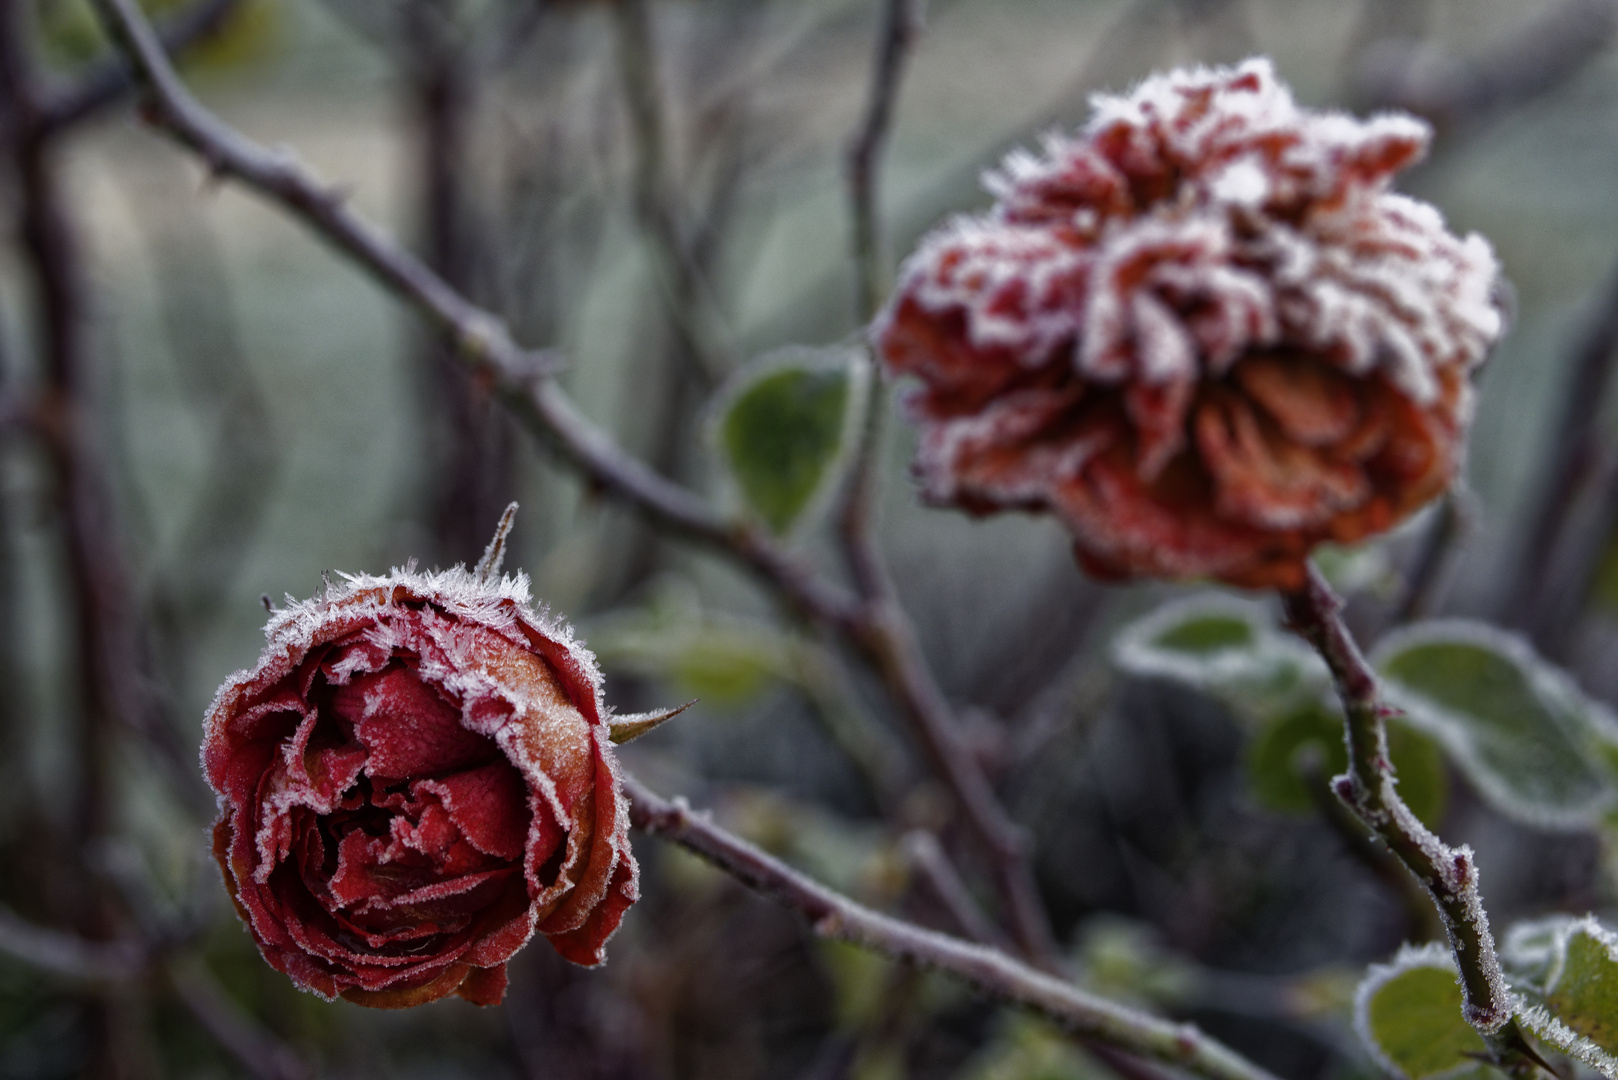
column 782, row 423
column 1279, row 769
column 1573, row 1004
column 1225, row 646
column 1409, row 1015
column 1519, row 729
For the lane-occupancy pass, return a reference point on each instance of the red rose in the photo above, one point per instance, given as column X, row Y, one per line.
column 1202, row 332
column 415, row 778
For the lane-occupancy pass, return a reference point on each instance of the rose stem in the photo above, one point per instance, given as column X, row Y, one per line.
column 526, row 380
column 839, row 918
column 1369, row 789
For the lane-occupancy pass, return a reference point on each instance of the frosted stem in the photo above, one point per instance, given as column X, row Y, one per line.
column 835, row 916
column 1370, row 790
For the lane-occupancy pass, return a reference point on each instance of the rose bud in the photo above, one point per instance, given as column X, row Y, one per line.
column 1202, row 332
column 417, row 777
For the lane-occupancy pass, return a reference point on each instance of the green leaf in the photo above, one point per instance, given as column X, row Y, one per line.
column 1225, row 646
column 1520, row 730
column 1027, row 1048
column 1279, row 767
column 782, row 424
column 1567, row 976
column 721, row 659
column 1409, row 1015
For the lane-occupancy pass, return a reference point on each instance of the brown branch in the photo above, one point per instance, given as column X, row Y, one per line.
column 1533, row 61
column 107, row 80
column 68, row 954
column 1370, row 790
column 890, row 640
column 835, row 916
column 523, row 377
column 693, row 309
column 901, row 25
column 252, row 1045
column 1570, row 462
column 255, row 1047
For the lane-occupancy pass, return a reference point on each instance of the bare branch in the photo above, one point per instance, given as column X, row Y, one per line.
column 1370, row 790
column 1532, row 61
column 891, row 642
column 692, row 306
column 901, row 25
column 836, row 916
column 255, row 1047
column 1573, row 459
column 68, row 954
column 523, row 377
column 109, row 79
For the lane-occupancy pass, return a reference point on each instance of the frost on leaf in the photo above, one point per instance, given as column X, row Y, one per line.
column 1408, row 1015
column 1566, row 973
column 1531, row 742
column 1201, row 331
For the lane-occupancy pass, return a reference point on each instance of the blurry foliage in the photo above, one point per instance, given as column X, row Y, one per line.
column 252, row 33
column 1181, row 846
column 1564, row 976
column 782, row 426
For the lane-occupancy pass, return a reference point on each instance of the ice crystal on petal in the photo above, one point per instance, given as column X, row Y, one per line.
column 1202, row 330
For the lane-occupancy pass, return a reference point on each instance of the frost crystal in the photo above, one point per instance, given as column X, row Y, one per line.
column 1202, row 331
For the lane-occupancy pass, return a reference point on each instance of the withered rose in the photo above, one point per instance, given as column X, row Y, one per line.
column 1202, row 332
column 415, row 778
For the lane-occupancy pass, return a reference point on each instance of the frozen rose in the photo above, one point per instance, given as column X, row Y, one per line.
column 415, row 779
column 1202, row 332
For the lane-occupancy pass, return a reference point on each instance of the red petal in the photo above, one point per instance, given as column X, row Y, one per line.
column 489, row 805
column 406, row 726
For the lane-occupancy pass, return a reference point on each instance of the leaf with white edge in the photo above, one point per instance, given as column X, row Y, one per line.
column 782, row 424
column 1529, row 740
column 1306, row 745
column 1567, row 981
column 1408, row 1013
column 1225, row 646
column 1530, row 951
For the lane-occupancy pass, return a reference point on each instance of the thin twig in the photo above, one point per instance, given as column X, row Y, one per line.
column 901, row 25
column 933, row 866
column 891, row 642
column 1370, row 790
column 110, row 78
column 255, row 1047
column 1570, row 462
column 68, row 954
column 523, row 377
column 694, row 311
column 1530, row 62
column 1453, row 519
column 836, row 916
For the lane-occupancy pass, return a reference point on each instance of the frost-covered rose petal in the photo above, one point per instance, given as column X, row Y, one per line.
column 1202, row 331
column 415, row 778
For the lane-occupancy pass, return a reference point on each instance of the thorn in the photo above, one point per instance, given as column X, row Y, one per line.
column 624, row 728
column 495, row 553
column 264, row 598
